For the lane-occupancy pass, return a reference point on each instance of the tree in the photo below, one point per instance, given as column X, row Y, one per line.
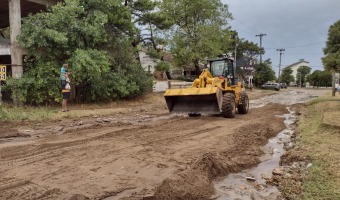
column 303, row 71
column 331, row 60
column 97, row 43
column 147, row 15
column 320, row 78
column 200, row 30
column 263, row 73
column 286, row 75
column 151, row 21
column 247, row 52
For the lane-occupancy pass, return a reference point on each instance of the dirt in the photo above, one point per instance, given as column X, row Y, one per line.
column 137, row 150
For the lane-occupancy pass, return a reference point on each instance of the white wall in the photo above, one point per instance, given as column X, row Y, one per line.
column 296, row 67
column 147, row 61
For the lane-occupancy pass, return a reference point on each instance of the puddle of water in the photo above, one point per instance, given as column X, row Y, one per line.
column 294, row 97
column 236, row 186
column 120, row 195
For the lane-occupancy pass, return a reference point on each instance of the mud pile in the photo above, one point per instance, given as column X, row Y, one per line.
column 196, row 183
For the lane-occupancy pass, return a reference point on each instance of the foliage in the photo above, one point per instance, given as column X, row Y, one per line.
column 286, row 75
column 246, row 56
column 154, row 54
column 320, row 78
column 97, row 43
column 148, row 16
column 38, row 85
column 302, row 72
column 4, row 32
column 263, row 73
column 162, row 66
column 200, row 30
column 151, row 20
column 331, row 60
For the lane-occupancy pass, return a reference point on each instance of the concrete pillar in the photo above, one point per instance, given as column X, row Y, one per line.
column 15, row 28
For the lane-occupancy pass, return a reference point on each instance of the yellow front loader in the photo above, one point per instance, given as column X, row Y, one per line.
column 215, row 91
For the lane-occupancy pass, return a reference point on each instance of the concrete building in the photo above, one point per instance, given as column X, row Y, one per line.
column 11, row 13
column 146, row 61
column 149, row 63
column 295, row 67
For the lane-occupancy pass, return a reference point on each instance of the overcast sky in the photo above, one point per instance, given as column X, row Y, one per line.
column 299, row 26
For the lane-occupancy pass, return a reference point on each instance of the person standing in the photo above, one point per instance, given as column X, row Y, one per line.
column 337, row 88
column 65, row 86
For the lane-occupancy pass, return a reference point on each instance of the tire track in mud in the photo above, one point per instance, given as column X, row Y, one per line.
column 144, row 135
column 195, row 183
column 14, row 189
column 49, row 147
column 17, row 152
column 156, row 134
column 155, row 149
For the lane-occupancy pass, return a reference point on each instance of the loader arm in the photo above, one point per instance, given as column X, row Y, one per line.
column 208, row 92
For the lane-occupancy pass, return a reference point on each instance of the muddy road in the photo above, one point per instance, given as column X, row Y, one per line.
column 137, row 151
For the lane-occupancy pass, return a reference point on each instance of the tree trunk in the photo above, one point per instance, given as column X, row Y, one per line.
column 168, row 75
column 197, row 68
column 333, row 83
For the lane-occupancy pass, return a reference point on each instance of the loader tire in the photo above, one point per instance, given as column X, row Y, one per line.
column 228, row 105
column 243, row 108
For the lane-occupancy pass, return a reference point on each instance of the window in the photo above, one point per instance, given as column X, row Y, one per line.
column 221, row 68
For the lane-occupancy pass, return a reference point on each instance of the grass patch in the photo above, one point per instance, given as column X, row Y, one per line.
column 322, row 144
column 10, row 113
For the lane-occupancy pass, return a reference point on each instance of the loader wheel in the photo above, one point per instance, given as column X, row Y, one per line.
column 228, row 105
column 194, row 114
column 244, row 107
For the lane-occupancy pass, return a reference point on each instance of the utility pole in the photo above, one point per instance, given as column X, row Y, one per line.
column 280, row 50
column 261, row 35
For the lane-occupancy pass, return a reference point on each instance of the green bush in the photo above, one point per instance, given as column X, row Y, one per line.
column 97, row 45
column 162, row 66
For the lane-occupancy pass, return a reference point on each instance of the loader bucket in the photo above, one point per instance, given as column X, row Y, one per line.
column 194, row 100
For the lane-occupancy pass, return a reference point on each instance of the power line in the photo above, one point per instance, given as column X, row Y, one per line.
column 298, row 46
column 302, row 53
column 292, row 54
column 248, row 27
column 242, row 30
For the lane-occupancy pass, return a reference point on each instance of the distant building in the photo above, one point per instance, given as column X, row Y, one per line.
column 11, row 14
column 146, row 61
column 296, row 66
column 149, row 63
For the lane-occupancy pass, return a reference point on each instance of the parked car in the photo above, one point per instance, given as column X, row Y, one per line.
column 284, row 85
column 273, row 86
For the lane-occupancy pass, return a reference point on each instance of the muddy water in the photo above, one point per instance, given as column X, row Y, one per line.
column 251, row 184
column 289, row 97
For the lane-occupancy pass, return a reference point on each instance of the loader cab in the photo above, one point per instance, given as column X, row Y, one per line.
column 223, row 67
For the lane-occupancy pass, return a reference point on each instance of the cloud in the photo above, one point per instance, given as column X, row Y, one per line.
column 287, row 23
